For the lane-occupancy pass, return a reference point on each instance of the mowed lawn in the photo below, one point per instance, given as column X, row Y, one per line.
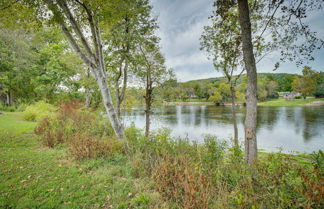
column 295, row 102
column 32, row 176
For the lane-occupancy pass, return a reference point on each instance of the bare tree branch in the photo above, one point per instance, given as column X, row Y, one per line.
column 270, row 19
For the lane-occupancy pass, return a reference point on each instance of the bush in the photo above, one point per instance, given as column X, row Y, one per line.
column 21, row 107
column 319, row 93
column 181, row 181
column 70, row 122
column 50, row 135
column 37, row 111
column 274, row 95
column 86, row 147
column 7, row 108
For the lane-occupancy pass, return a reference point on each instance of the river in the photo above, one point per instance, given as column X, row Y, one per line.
column 289, row 129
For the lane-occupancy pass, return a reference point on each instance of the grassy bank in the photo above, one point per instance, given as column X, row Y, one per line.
column 158, row 172
column 33, row 176
column 295, row 102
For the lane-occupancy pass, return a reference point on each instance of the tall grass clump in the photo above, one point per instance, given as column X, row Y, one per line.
column 37, row 111
column 87, row 134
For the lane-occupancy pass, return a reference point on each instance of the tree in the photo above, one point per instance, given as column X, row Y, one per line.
column 285, row 83
column 122, row 42
column 320, row 86
column 57, row 68
column 306, row 85
column 251, row 93
column 286, row 32
column 17, row 61
column 152, row 72
column 222, row 42
column 82, row 23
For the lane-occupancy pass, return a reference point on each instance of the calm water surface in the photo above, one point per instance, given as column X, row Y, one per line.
column 290, row 129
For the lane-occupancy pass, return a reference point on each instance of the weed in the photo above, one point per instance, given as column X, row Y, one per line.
column 70, row 121
column 85, row 147
column 179, row 180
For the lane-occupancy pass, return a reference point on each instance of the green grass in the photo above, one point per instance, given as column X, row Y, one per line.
column 32, row 176
column 191, row 100
column 13, row 122
column 284, row 102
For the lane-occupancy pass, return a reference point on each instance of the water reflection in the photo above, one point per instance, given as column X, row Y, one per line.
column 290, row 128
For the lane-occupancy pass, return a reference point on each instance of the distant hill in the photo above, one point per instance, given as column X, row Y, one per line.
column 276, row 76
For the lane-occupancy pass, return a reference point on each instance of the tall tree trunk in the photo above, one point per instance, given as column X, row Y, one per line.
column 148, row 103
column 87, row 97
column 147, row 118
column 111, row 112
column 88, row 93
column 120, row 95
column 122, row 71
column 93, row 57
column 251, row 92
column 234, row 115
column 9, row 98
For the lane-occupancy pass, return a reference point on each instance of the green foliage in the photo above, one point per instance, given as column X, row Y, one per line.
column 216, row 97
column 306, row 85
column 38, row 110
column 7, row 108
column 37, row 66
column 205, row 89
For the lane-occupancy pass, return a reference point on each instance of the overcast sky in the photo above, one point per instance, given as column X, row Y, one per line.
column 181, row 24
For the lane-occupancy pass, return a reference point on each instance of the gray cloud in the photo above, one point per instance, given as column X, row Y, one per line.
column 181, row 24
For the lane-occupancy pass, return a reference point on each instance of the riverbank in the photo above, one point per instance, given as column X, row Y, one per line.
column 186, row 103
column 291, row 103
column 273, row 102
column 34, row 176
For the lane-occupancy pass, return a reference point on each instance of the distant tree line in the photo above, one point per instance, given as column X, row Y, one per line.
column 217, row 90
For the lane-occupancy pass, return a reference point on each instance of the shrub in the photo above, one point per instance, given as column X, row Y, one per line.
column 7, row 108
column 21, row 107
column 37, row 111
column 179, row 180
column 212, row 152
column 70, row 121
column 86, row 147
column 273, row 95
column 50, row 137
column 319, row 93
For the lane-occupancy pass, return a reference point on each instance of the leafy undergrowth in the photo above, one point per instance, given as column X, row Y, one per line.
column 37, row 111
column 84, row 166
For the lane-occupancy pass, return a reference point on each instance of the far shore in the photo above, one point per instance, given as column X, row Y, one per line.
column 273, row 102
